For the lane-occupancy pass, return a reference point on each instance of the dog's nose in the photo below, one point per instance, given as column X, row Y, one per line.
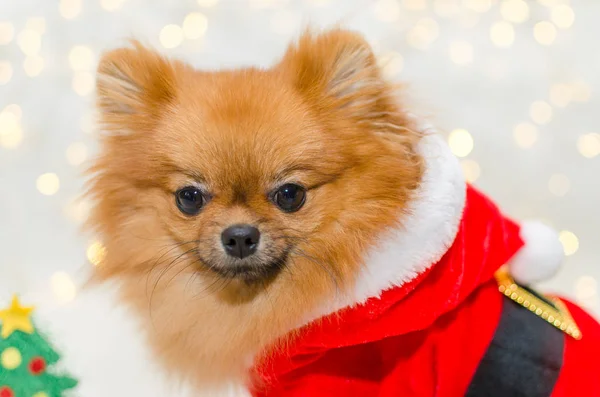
column 240, row 241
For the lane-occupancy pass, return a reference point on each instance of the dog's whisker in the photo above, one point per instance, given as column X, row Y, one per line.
column 163, row 272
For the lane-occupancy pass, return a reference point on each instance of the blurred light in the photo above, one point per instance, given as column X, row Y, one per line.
column 461, row 52
column 284, row 22
column 478, row 5
column 424, row 32
column 589, row 145
column 387, row 10
column 471, row 170
column 195, row 25
column 391, row 64
column 78, row 210
column 461, row 142
column 48, row 184
column 37, row 24
column 81, row 58
column 171, row 36
column 8, row 119
column 207, row 3
column 11, row 133
column 7, row 32
column 540, row 112
column 63, row 287
column 446, row 8
column 96, row 253
column 6, row 72
column 569, row 241
column 544, row 32
column 586, row 288
column 563, row 16
column 414, row 5
column 559, row 184
column 560, row 95
column 14, row 109
column 502, row 34
column 30, row 42
column 581, row 92
column 69, row 9
column 111, row 5
column 525, row 135
column 76, row 153
column 87, row 123
column 516, row 11
column 83, row 83
column 11, row 139
column 33, row 65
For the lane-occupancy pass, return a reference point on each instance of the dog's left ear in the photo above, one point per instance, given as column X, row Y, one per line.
column 134, row 85
column 336, row 70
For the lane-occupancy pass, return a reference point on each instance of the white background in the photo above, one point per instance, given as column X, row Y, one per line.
column 478, row 65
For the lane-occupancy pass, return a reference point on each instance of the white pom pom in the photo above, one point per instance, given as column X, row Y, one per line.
column 541, row 256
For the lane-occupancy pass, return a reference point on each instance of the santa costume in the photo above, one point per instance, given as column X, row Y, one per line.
column 439, row 312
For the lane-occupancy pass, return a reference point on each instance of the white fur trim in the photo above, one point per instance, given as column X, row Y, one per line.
column 427, row 231
column 541, row 256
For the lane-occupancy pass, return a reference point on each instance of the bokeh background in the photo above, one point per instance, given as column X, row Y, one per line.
column 513, row 84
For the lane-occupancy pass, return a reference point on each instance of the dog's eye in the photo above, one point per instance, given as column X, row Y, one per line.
column 190, row 200
column 290, row 197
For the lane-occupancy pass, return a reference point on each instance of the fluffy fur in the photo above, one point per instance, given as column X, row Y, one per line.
column 322, row 117
column 541, row 257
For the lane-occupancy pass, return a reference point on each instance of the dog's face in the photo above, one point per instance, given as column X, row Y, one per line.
column 276, row 178
column 246, row 174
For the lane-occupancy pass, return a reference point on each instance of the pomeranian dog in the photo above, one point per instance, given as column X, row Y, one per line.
column 297, row 231
column 237, row 203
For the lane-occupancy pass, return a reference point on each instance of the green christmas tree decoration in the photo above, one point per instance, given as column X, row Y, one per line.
column 26, row 358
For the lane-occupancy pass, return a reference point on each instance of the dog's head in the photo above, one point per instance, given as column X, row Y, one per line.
column 271, row 181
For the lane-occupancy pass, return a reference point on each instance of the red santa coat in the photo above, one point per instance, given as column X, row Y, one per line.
column 428, row 336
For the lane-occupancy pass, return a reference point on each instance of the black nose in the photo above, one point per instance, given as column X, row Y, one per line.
column 240, row 240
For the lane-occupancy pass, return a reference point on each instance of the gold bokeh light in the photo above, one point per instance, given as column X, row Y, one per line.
column 461, row 142
column 96, row 253
column 540, row 112
column 516, row 11
column 569, row 241
column 48, row 184
column 502, row 34
column 195, row 25
column 525, row 135
column 471, row 170
column 544, row 32
column 171, row 36
column 7, row 32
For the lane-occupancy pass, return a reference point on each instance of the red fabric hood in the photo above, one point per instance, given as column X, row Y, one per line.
column 485, row 241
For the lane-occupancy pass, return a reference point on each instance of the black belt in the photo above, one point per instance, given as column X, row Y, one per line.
column 525, row 356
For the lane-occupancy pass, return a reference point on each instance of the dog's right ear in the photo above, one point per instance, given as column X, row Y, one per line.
column 336, row 70
column 133, row 87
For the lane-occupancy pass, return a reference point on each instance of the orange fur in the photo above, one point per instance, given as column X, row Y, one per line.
column 323, row 117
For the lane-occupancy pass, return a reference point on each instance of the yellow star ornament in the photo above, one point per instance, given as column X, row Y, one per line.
column 16, row 318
